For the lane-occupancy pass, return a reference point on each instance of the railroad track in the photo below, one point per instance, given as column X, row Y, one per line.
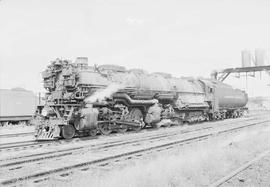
column 19, row 145
column 72, row 151
column 34, row 144
column 110, row 156
column 107, row 144
column 104, row 145
column 31, row 144
column 16, row 134
column 93, row 147
column 10, row 135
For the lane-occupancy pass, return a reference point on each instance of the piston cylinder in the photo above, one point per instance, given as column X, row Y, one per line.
column 87, row 120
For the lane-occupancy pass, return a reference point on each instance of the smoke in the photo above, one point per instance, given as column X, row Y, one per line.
column 104, row 93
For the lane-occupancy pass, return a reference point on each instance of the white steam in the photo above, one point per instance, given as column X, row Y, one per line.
column 104, row 93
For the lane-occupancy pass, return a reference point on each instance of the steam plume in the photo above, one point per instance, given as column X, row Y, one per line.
column 104, row 93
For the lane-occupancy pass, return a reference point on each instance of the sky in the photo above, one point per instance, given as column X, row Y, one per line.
column 181, row 37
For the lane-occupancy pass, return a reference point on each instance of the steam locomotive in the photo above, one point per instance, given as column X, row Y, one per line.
column 86, row 100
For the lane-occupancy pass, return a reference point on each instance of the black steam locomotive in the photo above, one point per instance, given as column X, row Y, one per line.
column 86, row 100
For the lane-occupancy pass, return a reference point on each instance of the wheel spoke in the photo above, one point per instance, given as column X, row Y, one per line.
column 105, row 128
column 136, row 115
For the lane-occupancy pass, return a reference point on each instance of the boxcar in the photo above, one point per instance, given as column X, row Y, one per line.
column 17, row 105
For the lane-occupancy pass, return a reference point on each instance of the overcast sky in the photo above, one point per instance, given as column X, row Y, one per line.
column 184, row 38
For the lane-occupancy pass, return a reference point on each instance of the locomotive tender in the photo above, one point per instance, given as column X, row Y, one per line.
column 85, row 100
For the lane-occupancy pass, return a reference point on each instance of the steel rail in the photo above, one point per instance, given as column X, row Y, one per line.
column 16, row 134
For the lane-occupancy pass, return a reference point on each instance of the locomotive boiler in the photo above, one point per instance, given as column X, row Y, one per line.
column 86, row 100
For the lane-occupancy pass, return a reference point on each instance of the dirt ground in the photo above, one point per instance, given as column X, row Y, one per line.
column 257, row 174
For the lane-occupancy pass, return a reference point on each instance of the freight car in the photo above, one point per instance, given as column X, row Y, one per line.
column 17, row 106
column 85, row 99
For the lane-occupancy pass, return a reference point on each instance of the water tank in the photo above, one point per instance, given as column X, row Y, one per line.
column 260, row 57
column 246, row 58
column 83, row 61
